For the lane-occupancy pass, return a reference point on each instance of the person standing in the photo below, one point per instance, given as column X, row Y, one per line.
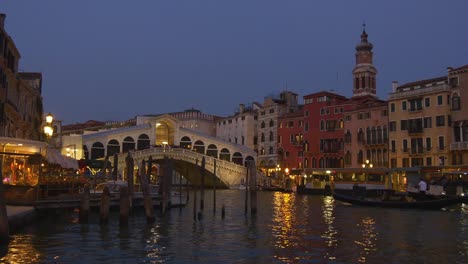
column 422, row 185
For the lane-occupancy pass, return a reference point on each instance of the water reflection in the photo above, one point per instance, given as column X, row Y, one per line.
column 22, row 250
column 288, row 228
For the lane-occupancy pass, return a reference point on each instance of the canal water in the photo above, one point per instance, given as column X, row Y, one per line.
column 288, row 228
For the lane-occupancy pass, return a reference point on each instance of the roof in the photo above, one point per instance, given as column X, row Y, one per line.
column 464, row 67
column 422, row 82
column 324, row 93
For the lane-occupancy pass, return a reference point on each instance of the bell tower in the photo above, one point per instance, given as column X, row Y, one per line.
column 364, row 72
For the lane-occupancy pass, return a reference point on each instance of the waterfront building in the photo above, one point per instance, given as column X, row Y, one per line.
column 366, row 116
column 291, row 142
column 323, row 129
column 240, row 128
column 458, row 82
column 420, row 123
column 21, row 108
column 272, row 107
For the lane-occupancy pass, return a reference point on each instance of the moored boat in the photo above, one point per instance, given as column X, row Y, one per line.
column 391, row 200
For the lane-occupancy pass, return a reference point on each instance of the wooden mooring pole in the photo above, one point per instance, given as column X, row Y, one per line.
column 215, row 181
column 147, row 199
column 129, row 162
column 84, row 206
column 104, row 206
column 253, row 188
column 4, row 227
column 124, row 206
column 202, row 192
column 246, row 191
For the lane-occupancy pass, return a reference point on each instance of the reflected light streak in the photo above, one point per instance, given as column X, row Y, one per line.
column 369, row 238
column 330, row 233
column 282, row 224
column 21, row 250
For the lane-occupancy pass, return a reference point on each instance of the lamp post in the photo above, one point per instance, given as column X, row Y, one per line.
column 71, row 151
column 367, row 165
column 48, row 129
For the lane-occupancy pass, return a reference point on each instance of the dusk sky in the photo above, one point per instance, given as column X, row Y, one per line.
column 113, row 60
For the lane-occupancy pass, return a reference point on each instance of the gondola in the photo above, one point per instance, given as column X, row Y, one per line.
column 408, row 202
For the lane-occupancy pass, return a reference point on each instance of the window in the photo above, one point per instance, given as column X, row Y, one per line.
column 322, row 125
column 428, row 161
column 455, row 102
column 405, row 162
column 441, row 143
column 449, row 120
column 427, row 102
column 286, row 154
column 392, row 107
column 428, row 144
column 439, row 100
column 427, row 122
column 384, row 112
column 271, row 136
column 263, row 124
column 404, row 124
column 306, row 126
column 392, row 126
column 271, row 151
column 453, row 81
column 440, row 120
column 405, row 145
column 393, row 147
column 403, row 105
column 306, row 113
column 272, row 111
column 393, row 163
column 262, row 138
column 272, row 123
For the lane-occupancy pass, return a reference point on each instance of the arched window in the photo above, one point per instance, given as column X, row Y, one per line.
column 97, row 151
column 113, row 147
column 271, row 136
column 348, row 136
column 374, row 135
column 262, row 151
column 143, row 142
column 360, row 157
column 379, row 135
column 237, row 158
column 272, row 123
column 212, row 151
column 185, row 142
column 360, row 136
column 225, row 155
column 341, row 123
column 128, row 144
column 322, row 125
column 263, row 124
column 262, row 138
column 199, row 147
column 348, row 158
column 368, row 136
column 270, row 151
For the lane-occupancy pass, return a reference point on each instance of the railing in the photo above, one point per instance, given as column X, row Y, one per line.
column 459, row 146
column 418, row 92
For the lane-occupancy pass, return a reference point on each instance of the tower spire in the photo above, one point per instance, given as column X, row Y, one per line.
column 364, row 72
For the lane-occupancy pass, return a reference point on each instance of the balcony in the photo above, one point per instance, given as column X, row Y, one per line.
column 459, row 146
column 416, row 151
column 415, row 130
column 297, row 142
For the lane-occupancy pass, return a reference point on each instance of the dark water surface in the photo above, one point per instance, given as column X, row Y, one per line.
column 288, row 228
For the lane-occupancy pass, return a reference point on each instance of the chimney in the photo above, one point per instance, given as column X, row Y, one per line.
column 241, row 108
column 394, row 86
column 2, row 20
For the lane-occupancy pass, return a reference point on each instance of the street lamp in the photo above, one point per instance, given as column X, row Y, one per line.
column 365, row 165
column 71, row 152
column 48, row 129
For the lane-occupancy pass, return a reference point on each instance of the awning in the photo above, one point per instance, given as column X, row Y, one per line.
column 53, row 156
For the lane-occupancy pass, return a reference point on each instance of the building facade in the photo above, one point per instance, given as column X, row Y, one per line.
column 365, row 125
column 420, row 123
column 20, row 93
column 458, row 82
column 291, row 141
column 272, row 108
column 323, row 129
column 241, row 128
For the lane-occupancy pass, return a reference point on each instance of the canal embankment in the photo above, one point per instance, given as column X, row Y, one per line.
column 20, row 216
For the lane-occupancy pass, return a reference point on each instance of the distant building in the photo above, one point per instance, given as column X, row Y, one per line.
column 241, row 128
column 272, row 108
column 21, row 107
column 291, row 141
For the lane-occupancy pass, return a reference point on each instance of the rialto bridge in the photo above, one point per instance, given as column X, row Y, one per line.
column 165, row 135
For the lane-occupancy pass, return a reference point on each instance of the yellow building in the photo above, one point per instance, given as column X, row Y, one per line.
column 420, row 122
column 458, row 81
